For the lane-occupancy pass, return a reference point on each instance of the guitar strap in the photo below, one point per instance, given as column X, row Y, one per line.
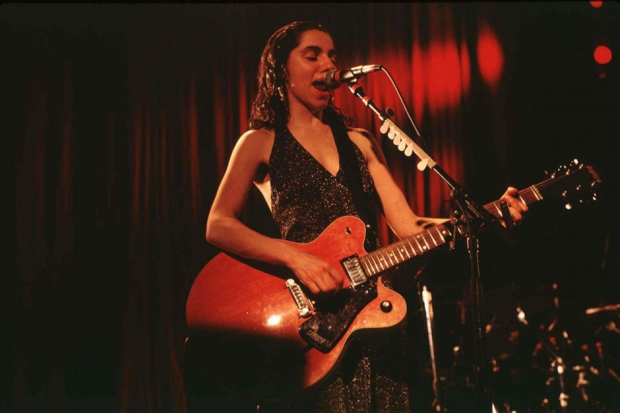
column 351, row 168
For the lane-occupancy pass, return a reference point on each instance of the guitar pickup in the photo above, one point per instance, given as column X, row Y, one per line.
column 353, row 269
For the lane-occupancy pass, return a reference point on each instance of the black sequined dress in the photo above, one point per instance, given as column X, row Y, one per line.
column 305, row 199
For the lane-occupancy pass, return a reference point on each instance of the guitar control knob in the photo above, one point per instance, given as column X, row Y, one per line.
column 386, row 306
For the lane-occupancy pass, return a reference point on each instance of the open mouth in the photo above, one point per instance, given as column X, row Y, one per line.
column 320, row 85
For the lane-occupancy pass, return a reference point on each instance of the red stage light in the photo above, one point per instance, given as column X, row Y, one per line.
column 602, row 55
column 490, row 55
column 596, row 4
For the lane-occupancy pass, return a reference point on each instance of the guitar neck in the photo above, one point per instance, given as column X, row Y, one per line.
column 405, row 249
column 565, row 185
column 394, row 254
column 528, row 196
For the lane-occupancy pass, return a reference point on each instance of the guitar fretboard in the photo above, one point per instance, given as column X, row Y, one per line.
column 399, row 252
column 403, row 250
column 527, row 195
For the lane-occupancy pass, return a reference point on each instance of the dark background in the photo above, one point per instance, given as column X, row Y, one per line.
column 117, row 123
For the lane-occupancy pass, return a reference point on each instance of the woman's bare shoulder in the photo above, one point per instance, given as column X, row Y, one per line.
column 257, row 142
column 257, row 136
column 362, row 138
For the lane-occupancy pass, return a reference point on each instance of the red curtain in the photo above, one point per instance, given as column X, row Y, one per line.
column 121, row 139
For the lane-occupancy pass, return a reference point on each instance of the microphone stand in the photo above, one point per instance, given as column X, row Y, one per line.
column 471, row 217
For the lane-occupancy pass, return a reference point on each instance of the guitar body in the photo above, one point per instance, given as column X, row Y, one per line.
column 247, row 323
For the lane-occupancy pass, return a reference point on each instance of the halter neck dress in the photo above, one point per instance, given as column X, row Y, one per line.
column 305, row 199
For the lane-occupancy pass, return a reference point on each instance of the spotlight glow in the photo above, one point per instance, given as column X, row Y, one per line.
column 602, row 55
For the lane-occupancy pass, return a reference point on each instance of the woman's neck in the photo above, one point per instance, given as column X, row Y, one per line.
column 305, row 122
column 301, row 116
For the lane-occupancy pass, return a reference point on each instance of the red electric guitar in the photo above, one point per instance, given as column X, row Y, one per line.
column 261, row 335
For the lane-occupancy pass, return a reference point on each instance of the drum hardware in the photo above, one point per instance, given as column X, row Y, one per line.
column 611, row 326
column 610, row 307
column 538, row 364
column 427, row 298
column 559, row 376
column 521, row 316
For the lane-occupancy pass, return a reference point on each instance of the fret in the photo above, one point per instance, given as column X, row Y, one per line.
column 387, row 257
column 399, row 248
column 536, row 193
column 377, row 262
column 430, row 234
column 382, row 259
column 405, row 249
column 412, row 248
column 387, row 261
column 440, row 233
column 415, row 238
column 392, row 255
column 402, row 257
column 370, row 260
column 528, row 195
column 425, row 238
column 426, row 246
column 531, row 197
column 367, row 265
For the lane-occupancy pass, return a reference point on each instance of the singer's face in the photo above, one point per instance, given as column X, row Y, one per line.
column 306, row 68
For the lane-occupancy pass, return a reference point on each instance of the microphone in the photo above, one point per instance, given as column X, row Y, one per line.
column 335, row 78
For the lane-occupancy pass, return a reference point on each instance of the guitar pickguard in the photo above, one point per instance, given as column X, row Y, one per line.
column 334, row 316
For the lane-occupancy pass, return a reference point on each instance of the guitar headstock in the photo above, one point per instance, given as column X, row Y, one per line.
column 573, row 183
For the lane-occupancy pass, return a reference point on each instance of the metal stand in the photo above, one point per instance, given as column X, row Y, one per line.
column 471, row 218
column 427, row 299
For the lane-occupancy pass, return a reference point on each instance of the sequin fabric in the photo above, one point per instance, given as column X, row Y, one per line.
column 306, row 198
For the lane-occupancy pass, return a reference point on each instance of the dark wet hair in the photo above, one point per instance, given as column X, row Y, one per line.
column 270, row 108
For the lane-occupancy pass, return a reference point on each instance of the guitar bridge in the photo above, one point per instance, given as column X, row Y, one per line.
column 304, row 307
column 353, row 269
